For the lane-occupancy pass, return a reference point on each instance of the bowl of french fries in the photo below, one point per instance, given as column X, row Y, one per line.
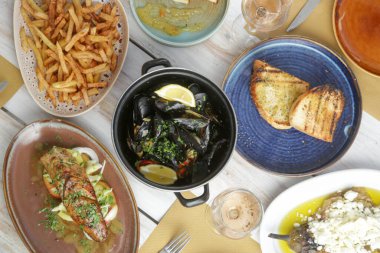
column 70, row 52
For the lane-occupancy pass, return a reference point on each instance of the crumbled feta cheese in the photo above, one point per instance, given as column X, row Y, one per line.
column 348, row 227
column 350, row 195
column 296, row 225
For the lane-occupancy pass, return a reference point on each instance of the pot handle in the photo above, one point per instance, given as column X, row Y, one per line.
column 195, row 201
column 154, row 63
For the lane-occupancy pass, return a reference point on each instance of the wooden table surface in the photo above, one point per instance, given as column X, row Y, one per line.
column 208, row 59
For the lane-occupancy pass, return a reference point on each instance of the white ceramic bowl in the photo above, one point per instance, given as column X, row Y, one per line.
column 308, row 190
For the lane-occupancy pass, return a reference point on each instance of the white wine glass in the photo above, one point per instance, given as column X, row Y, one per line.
column 234, row 213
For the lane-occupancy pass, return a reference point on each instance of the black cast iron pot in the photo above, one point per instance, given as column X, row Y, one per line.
column 122, row 121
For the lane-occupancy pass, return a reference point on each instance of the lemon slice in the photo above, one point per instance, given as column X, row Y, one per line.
column 175, row 92
column 159, row 174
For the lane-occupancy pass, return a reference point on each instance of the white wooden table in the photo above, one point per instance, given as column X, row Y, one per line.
column 208, row 59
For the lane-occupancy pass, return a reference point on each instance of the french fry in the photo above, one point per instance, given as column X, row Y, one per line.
column 89, row 78
column 52, row 54
column 52, row 12
column 103, row 56
column 60, row 74
column 59, row 8
column 98, row 69
column 34, row 6
column 80, row 47
column 71, row 77
column 37, row 54
column 86, row 55
column 97, row 38
column 74, row 17
column 77, row 96
column 88, row 3
column 97, row 85
column 113, row 62
column 52, row 69
column 24, row 40
column 45, row 39
column 58, row 28
column 92, row 92
column 62, row 59
column 96, row 77
column 41, row 15
column 38, row 23
column 74, row 66
column 76, row 37
column 48, row 61
column 70, row 30
column 52, row 96
column 43, row 84
column 106, row 17
column 64, row 84
column 68, row 90
column 92, row 9
column 85, row 96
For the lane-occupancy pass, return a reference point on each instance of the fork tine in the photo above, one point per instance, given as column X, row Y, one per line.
column 182, row 245
column 175, row 241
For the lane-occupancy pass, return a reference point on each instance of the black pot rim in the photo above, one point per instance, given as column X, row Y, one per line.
column 140, row 177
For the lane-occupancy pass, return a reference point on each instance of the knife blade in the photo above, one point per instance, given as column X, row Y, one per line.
column 3, row 85
column 303, row 14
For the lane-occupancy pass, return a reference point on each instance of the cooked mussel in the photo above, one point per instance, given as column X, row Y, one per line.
column 191, row 124
column 142, row 109
column 169, row 106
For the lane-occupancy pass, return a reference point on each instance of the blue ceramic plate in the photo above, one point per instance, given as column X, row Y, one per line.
column 291, row 152
column 211, row 15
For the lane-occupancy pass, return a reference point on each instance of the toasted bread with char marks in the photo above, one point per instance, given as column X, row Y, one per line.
column 318, row 111
column 274, row 92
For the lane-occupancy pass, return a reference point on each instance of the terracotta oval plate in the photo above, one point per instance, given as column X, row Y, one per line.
column 27, row 64
column 305, row 191
column 357, row 30
column 25, row 192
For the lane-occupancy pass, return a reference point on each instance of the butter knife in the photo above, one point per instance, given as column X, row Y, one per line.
column 3, row 85
column 303, row 14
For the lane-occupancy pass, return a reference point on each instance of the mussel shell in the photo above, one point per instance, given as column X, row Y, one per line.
column 143, row 131
column 194, row 88
column 169, row 106
column 200, row 101
column 142, row 108
column 191, row 124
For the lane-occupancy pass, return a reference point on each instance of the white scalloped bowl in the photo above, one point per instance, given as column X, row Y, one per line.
column 27, row 64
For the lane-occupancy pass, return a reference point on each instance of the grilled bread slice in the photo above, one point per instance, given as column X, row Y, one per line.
column 318, row 111
column 274, row 92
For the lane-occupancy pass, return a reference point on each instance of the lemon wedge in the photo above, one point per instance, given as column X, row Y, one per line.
column 178, row 93
column 159, row 174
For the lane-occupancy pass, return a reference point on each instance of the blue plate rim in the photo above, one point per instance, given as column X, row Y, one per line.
column 177, row 44
column 358, row 120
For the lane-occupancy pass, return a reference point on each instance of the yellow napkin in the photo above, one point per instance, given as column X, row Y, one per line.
column 318, row 27
column 12, row 75
column 203, row 238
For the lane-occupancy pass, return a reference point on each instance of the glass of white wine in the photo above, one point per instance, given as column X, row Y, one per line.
column 235, row 212
column 258, row 18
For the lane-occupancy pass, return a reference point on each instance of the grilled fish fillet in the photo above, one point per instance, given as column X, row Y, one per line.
column 318, row 111
column 76, row 191
column 274, row 92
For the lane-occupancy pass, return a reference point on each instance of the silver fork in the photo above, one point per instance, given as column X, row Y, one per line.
column 177, row 244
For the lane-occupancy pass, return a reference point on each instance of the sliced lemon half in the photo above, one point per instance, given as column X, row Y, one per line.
column 175, row 92
column 159, row 174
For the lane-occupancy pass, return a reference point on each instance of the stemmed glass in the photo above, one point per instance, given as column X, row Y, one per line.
column 234, row 213
column 258, row 18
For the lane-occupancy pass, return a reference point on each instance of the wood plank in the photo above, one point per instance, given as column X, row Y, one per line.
column 9, row 240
